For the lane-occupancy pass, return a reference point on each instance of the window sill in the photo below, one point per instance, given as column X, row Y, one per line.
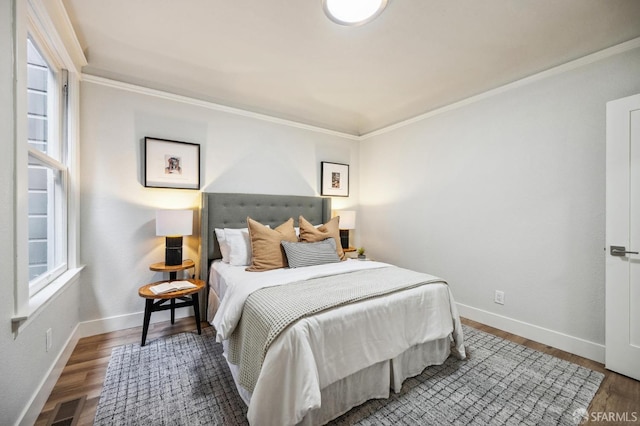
column 44, row 297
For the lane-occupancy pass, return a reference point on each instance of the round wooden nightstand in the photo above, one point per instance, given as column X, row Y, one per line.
column 173, row 269
column 156, row 302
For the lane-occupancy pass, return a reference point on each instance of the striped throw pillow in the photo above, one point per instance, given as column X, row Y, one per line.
column 309, row 254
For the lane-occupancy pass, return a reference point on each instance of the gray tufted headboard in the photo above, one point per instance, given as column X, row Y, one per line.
column 222, row 210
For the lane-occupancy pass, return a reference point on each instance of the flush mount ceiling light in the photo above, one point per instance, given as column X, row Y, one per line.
column 353, row 12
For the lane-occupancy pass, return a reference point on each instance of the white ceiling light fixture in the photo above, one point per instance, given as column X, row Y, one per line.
column 353, row 12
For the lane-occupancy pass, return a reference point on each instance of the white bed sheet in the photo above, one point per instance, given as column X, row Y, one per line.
column 324, row 349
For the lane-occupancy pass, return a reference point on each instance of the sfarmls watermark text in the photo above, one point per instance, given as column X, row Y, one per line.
column 582, row 416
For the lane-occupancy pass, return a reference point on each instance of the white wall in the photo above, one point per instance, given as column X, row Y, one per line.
column 239, row 154
column 506, row 193
column 25, row 360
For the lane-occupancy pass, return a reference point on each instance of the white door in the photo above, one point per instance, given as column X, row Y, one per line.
column 622, row 353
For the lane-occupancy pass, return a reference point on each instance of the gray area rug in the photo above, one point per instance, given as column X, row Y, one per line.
column 184, row 380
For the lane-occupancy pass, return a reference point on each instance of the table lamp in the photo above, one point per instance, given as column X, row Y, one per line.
column 174, row 224
column 347, row 222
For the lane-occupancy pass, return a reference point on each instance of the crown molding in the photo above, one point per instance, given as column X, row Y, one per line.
column 89, row 78
column 568, row 66
column 577, row 63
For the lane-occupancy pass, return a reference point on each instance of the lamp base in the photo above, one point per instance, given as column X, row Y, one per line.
column 344, row 238
column 173, row 251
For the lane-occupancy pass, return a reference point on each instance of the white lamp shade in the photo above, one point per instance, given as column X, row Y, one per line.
column 174, row 223
column 347, row 219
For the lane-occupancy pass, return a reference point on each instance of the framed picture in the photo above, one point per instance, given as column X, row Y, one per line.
column 171, row 164
column 335, row 179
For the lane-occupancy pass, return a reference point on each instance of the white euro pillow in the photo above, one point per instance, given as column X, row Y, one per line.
column 222, row 242
column 235, row 245
column 239, row 246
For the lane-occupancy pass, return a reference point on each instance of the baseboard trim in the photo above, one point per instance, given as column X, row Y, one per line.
column 33, row 409
column 121, row 322
column 565, row 342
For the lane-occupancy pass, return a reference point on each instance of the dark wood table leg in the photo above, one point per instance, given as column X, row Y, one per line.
column 148, row 307
column 173, row 311
column 196, row 309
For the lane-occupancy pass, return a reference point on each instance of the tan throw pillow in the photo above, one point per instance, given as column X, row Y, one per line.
column 267, row 252
column 311, row 234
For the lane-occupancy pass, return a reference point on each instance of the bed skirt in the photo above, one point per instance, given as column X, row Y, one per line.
column 373, row 382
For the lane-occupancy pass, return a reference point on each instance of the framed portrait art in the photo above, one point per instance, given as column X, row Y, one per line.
column 335, row 179
column 171, row 164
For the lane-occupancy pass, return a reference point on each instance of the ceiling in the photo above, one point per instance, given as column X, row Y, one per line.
column 285, row 59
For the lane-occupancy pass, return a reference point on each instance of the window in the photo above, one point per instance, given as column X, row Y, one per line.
column 47, row 170
column 46, row 67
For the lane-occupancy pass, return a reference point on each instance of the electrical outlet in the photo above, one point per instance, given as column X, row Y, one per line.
column 499, row 297
column 48, row 339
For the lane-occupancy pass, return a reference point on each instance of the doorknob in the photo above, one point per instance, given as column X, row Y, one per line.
column 620, row 251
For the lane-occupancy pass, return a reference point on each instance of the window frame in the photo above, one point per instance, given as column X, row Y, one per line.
column 47, row 24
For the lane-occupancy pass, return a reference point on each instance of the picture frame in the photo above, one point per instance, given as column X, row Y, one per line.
column 171, row 164
column 334, row 178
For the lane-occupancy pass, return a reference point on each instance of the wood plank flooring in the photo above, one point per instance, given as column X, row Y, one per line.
column 85, row 372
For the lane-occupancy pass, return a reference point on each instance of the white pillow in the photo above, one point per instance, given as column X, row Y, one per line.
column 235, row 245
column 239, row 246
column 224, row 246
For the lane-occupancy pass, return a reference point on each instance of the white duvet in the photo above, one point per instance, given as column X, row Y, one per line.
column 332, row 345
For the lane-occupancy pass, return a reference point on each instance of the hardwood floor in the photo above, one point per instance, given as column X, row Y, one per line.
column 85, row 372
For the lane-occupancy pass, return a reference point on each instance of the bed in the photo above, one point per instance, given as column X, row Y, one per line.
column 322, row 365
